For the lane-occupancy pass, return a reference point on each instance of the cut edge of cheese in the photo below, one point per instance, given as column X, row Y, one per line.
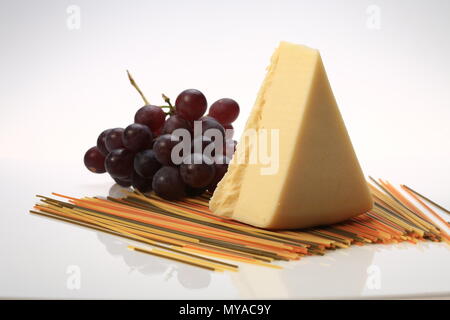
column 319, row 180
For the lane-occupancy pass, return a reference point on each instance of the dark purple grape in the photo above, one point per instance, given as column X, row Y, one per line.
column 176, row 122
column 197, row 170
column 101, row 142
column 145, row 163
column 137, row 137
column 142, row 184
column 221, row 165
column 123, row 182
column 119, row 163
column 113, row 139
column 211, row 123
column 194, row 192
column 94, row 160
column 151, row 116
column 167, row 184
column 163, row 149
column 157, row 133
column 224, row 110
column 191, row 104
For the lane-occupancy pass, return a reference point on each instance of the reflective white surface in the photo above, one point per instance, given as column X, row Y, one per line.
column 37, row 253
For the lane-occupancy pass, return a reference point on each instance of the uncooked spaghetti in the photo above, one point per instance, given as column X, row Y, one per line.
column 187, row 232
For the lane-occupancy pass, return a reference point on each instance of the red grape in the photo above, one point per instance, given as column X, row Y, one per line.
column 141, row 154
column 137, row 137
column 157, row 133
column 163, row 149
column 197, row 171
column 119, row 163
column 101, row 142
column 142, row 184
column 145, row 163
column 167, row 184
column 123, row 182
column 176, row 122
column 191, row 104
column 224, row 110
column 113, row 139
column 94, row 160
column 151, row 116
column 211, row 123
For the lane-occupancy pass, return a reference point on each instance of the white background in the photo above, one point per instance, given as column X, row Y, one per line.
column 60, row 87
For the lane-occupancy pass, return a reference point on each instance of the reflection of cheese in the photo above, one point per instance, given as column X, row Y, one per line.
column 319, row 180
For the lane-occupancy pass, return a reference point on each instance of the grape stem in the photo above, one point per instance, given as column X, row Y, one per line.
column 167, row 100
column 134, row 84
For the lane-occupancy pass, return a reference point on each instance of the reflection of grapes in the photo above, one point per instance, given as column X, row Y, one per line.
column 118, row 191
column 113, row 245
column 94, row 160
column 153, row 268
column 119, row 163
column 141, row 262
column 134, row 259
column 193, row 278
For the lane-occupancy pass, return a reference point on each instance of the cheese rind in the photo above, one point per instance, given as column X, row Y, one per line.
column 319, row 180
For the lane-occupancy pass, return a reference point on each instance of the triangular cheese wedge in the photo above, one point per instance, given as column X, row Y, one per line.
column 318, row 180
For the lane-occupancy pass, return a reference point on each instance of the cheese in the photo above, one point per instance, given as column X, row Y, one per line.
column 318, row 178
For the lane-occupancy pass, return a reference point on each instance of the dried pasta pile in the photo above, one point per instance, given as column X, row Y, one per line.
column 186, row 231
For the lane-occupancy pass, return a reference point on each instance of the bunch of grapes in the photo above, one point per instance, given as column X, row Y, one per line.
column 142, row 154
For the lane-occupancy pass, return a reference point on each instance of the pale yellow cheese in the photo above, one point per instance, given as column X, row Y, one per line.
column 319, row 180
